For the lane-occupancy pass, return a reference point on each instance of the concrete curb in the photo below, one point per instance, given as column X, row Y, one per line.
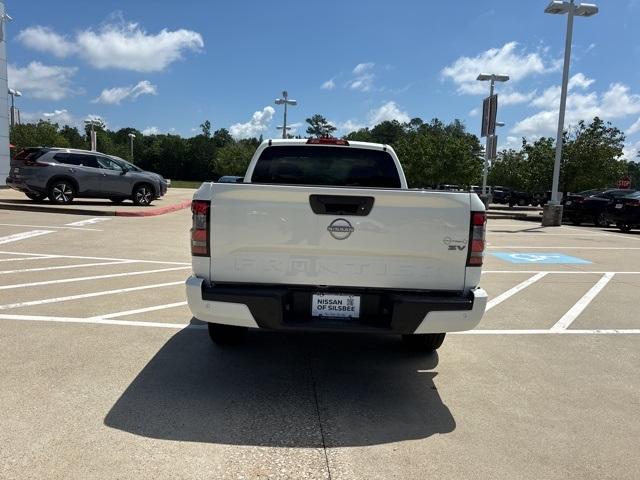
column 149, row 212
column 154, row 211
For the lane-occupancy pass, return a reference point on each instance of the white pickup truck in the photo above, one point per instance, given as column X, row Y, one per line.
column 323, row 234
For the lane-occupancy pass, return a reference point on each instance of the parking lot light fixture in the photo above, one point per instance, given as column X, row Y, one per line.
column 491, row 77
column 285, row 100
column 553, row 213
column 15, row 115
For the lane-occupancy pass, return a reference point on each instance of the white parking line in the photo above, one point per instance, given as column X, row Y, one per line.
column 22, row 236
column 86, row 295
column 49, row 226
column 99, row 321
column 96, row 277
column 142, row 310
column 573, row 313
column 527, row 247
column 597, row 331
column 23, row 259
column 89, row 221
column 572, row 272
column 512, row 291
column 543, row 234
column 181, row 326
column 44, row 255
column 65, row 267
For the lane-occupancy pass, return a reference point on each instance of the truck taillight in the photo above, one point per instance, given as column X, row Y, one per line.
column 200, row 210
column 476, row 248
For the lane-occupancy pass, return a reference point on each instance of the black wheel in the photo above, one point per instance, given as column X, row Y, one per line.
column 143, row 194
column 35, row 196
column 601, row 220
column 61, row 192
column 118, row 200
column 424, row 342
column 226, row 334
column 624, row 227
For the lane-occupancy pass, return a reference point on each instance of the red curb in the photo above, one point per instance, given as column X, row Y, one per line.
column 154, row 211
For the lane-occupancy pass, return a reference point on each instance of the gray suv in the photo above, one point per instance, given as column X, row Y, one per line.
column 63, row 174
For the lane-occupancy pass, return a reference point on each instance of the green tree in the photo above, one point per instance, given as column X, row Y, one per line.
column 319, row 126
column 206, row 128
column 41, row 134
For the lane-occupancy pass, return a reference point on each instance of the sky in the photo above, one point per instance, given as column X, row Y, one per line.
column 165, row 67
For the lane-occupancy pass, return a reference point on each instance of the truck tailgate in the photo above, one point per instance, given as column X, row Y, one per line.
column 269, row 234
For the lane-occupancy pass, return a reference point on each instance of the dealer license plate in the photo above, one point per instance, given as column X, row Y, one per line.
column 335, row 305
column 619, row 205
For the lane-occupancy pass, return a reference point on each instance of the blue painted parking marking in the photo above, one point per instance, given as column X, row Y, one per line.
column 539, row 258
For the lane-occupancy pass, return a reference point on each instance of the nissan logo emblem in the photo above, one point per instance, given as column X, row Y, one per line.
column 340, row 229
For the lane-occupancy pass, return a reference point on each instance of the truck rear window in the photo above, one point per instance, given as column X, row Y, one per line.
column 323, row 165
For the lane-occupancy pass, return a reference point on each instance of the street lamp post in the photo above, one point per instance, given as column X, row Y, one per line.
column 285, row 101
column 284, row 129
column 492, row 78
column 552, row 215
column 14, row 117
column 131, row 137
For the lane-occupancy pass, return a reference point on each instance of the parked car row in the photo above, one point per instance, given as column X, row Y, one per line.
column 620, row 207
column 62, row 174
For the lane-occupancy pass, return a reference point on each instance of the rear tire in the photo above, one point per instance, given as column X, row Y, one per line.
column 423, row 342
column 601, row 220
column 35, row 196
column 61, row 192
column 624, row 227
column 226, row 334
column 143, row 195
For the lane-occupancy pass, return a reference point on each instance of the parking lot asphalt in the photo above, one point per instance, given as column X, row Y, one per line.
column 105, row 374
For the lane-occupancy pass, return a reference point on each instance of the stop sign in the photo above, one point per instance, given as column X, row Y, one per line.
column 624, row 182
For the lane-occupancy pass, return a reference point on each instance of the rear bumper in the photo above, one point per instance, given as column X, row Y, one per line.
column 21, row 185
column 288, row 308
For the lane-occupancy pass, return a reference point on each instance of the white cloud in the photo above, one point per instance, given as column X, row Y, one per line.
column 61, row 117
column 615, row 102
column 388, row 111
column 504, row 60
column 348, row 126
column 328, row 85
column 514, row 97
column 117, row 45
column 45, row 39
column 474, row 112
column 118, row 94
column 258, row 124
column 364, row 77
column 363, row 67
column 631, row 151
column 151, row 131
column 46, row 82
column 581, row 81
column 634, row 128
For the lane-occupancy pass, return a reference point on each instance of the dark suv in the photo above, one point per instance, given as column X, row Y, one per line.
column 63, row 174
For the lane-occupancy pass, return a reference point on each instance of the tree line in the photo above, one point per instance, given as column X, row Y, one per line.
column 432, row 153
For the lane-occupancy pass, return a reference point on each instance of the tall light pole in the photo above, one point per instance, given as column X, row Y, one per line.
column 14, row 117
column 284, row 129
column 492, row 78
column 285, row 101
column 552, row 215
column 131, row 137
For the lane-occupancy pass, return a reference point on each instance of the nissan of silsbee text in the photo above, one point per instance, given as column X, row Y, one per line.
column 324, row 234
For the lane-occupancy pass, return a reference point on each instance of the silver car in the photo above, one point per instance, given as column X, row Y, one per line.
column 63, row 174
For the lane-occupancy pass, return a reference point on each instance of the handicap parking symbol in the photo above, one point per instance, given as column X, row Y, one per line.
column 539, row 258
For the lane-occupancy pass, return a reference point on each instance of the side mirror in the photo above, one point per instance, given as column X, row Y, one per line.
column 124, row 170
